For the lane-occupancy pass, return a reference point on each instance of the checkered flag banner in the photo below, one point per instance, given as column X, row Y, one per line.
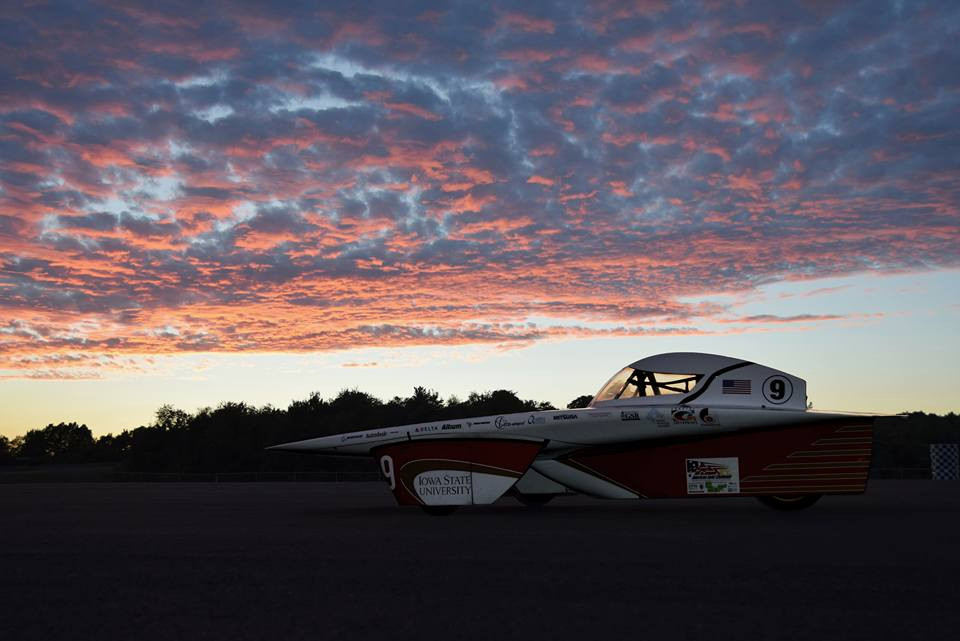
column 944, row 462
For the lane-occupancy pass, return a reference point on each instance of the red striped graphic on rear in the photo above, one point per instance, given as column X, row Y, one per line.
column 801, row 459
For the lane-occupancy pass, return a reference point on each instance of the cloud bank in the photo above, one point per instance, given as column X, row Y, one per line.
column 288, row 178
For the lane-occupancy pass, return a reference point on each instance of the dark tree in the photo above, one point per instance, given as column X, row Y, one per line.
column 109, row 448
column 497, row 402
column 170, row 418
column 424, row 405
column 60, row 443
column 579, row 402
column 353, row 410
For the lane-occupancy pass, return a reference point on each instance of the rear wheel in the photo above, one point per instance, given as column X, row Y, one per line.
column 790, row 501
column 438, row 510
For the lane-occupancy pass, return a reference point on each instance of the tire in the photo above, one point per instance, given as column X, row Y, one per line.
column 788, row 502
column 439, row 510
column 534, row 500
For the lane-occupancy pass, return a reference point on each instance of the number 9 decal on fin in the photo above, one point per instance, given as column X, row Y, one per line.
column 777, row 389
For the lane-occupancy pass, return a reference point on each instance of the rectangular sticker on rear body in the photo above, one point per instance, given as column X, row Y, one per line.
column 713, row 475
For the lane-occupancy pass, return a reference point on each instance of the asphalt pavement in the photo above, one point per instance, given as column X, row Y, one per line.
column 340, row 561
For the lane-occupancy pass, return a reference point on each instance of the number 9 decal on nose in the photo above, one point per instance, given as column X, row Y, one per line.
column 386, row 466
column 777, row 389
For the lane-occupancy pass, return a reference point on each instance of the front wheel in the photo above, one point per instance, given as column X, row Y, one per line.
column 438, row 510
column 533, row 500
column 789, row 502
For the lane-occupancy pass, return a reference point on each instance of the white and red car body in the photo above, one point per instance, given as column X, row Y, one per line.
column 671, row 425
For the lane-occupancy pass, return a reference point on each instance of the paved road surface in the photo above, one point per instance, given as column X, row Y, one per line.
column 339, row 561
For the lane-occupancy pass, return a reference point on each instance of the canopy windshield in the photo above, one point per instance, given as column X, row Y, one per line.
column 635, row 383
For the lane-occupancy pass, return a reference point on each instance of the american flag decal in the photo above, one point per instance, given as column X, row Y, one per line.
column 736, row 386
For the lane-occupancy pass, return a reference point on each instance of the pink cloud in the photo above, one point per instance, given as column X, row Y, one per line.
column 540, row 180
column 523, row 22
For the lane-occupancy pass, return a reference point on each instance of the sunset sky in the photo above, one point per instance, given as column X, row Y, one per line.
column 217, row 201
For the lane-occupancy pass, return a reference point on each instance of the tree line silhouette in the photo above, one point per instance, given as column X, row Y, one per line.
column 232, row 436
